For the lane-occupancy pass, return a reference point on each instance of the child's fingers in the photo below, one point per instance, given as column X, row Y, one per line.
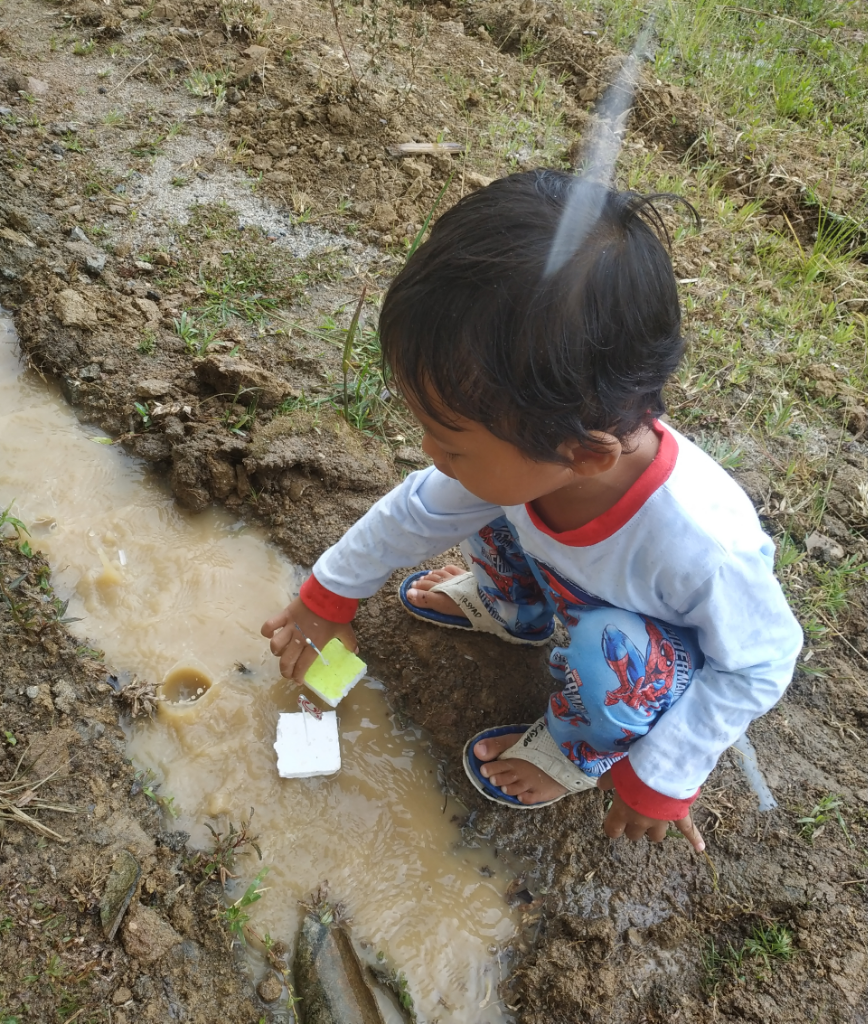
column 270, row 627
column 691, row 833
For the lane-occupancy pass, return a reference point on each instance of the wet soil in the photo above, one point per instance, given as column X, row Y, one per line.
column 170, row 959
column 302, row 200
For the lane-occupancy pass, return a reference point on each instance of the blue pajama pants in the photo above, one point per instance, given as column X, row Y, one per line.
column 620, row 670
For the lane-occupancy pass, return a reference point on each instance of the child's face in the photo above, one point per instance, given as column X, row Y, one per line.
column 494, row 470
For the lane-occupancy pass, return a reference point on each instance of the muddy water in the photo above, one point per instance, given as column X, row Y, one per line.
column 172, row 596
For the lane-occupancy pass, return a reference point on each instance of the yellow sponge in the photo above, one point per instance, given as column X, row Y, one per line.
column 334, row 673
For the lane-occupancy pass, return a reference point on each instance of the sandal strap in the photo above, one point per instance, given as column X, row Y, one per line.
column 539, row 748
column 465, row 593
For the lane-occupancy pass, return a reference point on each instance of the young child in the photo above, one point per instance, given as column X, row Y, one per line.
column 540, row 397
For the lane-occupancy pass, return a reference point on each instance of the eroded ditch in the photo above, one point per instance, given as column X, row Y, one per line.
column 155, row 587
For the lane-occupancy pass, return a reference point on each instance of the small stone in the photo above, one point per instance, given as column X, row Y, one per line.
column 95, row 264
column 121, row 995
column 65, row 697
column 71, row 310
column 90, row 373
column 270, row 988
column 475, row 180
column 152, row 388
column 818, row 545
column 262, row 162
column 143, row 266
column 149, row 308
column 233, row 96
column 152, row 295
column 340, row 115
column 146, row 936
column 77, row 235
column 163, row 259
column 276, row 148
column 383, row 217
column 57, row 148
column 32, row 692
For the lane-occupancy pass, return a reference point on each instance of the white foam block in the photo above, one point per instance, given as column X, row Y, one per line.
column 307, row 746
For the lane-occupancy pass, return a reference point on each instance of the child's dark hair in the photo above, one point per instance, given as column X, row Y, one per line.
column 472, row 327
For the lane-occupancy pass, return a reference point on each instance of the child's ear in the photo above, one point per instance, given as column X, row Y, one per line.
column 591, row 461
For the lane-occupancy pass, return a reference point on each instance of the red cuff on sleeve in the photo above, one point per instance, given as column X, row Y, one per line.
column 323, row 602
column 639, row 797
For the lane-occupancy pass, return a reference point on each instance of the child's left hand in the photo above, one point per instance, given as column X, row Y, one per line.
column 624, row 821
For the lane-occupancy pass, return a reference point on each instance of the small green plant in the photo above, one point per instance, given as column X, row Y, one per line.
column 82, row 47
column 220, row 859
column 723, row 452
column 758, row 953
column 9, row 738
column 208, row 85
column 234, row 915
column 144, row 412
column 89, row 652
column 396, row 981
column 114, row 117
column 7, row 520
column 145, row 779
column 825, row 810
column 769, row 943
column 234, row 422
column 147, row 344
column 788, row 553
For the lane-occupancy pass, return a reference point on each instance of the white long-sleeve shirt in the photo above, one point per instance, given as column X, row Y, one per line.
column 684, row 545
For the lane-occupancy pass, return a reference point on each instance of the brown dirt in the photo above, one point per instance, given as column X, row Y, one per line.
column 170, row 959
column 618, row 931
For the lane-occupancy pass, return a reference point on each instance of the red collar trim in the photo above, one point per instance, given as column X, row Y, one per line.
column 627, row 506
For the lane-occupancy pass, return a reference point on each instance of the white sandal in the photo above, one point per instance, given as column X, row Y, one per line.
column 537, row 746
column 464, row 591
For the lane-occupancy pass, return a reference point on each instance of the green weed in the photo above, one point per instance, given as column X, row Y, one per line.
column 8, row 521
column 82, row 47
column 235, row 915
column 759, row 953
column 147, row 344
column 144, row 413
column 208, row 85
column 825, row 810
column 220, row 859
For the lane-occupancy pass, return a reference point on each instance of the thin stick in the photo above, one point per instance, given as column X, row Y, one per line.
column 134, row 70
column 334, row 8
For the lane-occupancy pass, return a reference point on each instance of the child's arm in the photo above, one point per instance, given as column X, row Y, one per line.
column 751, row 641
column 423, row 516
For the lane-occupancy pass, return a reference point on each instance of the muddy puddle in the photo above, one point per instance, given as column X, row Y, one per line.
column 167, row 594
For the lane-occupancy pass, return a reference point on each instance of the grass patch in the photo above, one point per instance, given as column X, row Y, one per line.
column 767, row 947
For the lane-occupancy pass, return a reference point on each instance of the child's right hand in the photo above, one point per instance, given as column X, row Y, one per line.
column 296, row 656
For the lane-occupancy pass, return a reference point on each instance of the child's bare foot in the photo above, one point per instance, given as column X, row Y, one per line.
column 514, row 776
column 420, row 593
